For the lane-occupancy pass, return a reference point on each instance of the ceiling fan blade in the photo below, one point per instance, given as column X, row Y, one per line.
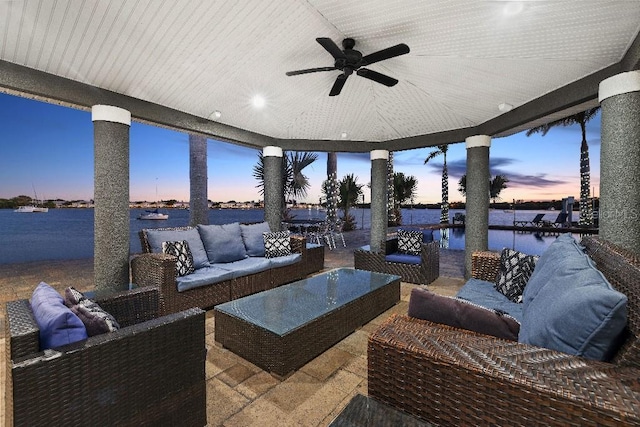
column 338, row 85
column 390, row 52
column 377, row 77
column 309, row 70
column 331, row 47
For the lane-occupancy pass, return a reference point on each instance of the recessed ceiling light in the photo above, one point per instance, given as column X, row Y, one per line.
column 343, row 135
column 512, row 8
column 504, row 107
column 215, row 115
column 258, row 101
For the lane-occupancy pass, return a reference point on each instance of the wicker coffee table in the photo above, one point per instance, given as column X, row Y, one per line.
column 281, row 329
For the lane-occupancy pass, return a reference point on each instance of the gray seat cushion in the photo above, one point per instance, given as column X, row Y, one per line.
column 191, row 236
column 253, row 238
column 245, row 266
column 203, row 277
column 576, row 311
column 281, row 261
column 223, row 243
column 485, row 294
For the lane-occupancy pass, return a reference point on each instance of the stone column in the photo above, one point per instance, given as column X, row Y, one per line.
column 379, row 160
column 273, row 186
column 620, row 160
column 111, row 195
column 476, row 225
column 198, row 203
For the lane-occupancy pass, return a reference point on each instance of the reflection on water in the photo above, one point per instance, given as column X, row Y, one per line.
column 527, row 242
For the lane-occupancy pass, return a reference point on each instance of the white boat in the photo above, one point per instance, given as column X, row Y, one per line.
column 31, row 209
column 154, row 214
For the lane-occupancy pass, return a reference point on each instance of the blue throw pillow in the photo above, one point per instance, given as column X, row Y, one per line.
column 576, row 311
column 253, row 238
column 223, row 243
column 191, row 236
column 58, row 325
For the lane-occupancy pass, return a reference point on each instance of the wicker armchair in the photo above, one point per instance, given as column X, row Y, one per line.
column 450, row 376
column 150, row 372
column 424, row 273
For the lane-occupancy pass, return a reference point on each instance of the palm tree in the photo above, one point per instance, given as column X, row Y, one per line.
column 330, row 188
column 496, row 185
column 294, row 183
column 404, row 188
column 586, row 210
column 444, row 207
column 392, row 220
column 350, row 192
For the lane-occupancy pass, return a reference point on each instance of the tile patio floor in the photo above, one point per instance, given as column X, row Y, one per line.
column 238, row 392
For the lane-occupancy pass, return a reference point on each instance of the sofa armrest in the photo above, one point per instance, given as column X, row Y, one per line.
column 155, row 270
column 132, row 306
column 485, row 265
column 147, row 374
column 451, row 376
column 430, row 261
column 369, row 261
column 298, row 244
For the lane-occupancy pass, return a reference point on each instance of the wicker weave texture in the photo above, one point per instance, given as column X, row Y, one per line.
column 283, row 354
column 159, row 270
column 148, row 373
column 450, row 376
column 424, row 273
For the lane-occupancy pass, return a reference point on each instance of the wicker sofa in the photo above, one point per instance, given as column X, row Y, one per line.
column 159, row 270
column 149, row 372
column 424, row 272
column 452, row 376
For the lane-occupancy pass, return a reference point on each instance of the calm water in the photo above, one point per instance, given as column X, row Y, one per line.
column 68, row 233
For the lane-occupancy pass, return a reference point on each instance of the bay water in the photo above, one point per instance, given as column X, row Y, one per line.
column 68, row 233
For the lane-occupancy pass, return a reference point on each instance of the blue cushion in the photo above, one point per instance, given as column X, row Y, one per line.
column 281, row 261
column 485, row 294
column 191, row 236
column 252, row 237
column 313, row 246
column 552, row 260
column 203, row 277
column 245, row 266
column 58, row 325
column 223, row 243
column 576, row 311
column 402, row 258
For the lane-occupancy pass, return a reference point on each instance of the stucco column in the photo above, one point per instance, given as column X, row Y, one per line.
column 476, row 225
column 379, row 160
column 620, row 160
column 198, row 203
column 111, row 196
column 273, row 186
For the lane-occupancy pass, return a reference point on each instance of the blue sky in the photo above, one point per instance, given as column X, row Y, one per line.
column 50, row 148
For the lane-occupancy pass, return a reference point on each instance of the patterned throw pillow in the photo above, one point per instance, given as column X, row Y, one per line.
column 276, row 243
column 409, row 242
column 180, row 250
column 515, row 270
column 95, row 319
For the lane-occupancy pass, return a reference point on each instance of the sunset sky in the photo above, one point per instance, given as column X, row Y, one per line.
column 49, row 148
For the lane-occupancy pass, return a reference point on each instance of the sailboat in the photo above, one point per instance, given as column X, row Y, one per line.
column 35, row 208
column 154, row 214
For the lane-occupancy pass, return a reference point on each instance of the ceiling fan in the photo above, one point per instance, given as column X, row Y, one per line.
column 349, row 60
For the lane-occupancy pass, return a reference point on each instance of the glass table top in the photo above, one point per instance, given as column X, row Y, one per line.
column 283, row 309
